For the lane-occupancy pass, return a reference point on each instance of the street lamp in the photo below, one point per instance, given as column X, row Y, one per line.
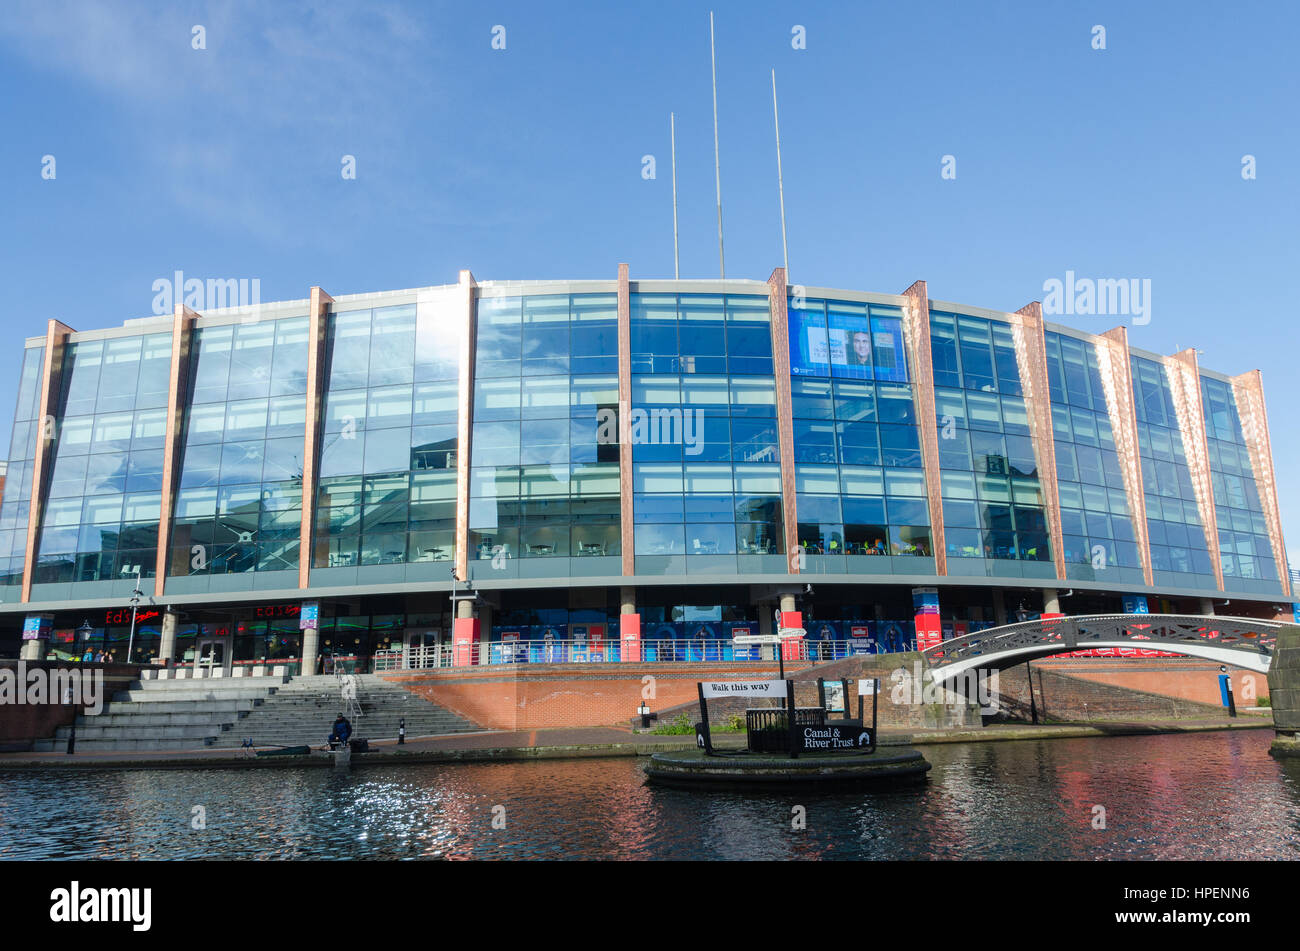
column 136, row 595
column 84, row 633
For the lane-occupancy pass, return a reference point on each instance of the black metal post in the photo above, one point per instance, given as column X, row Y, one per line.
column 794, row 728
column 821, row 692
column 875, row 703
column 401, row 731
column 1232, row 702
column 704, row 720
column 1033, row 707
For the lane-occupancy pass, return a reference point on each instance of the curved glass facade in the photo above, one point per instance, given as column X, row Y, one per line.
column 544, row 497
column 1096, row 525
column 18, row 476
column 100, row 519
column 1179, row 555
column 993, row 509
column 1244, row 544
column 480, row 427
column 239, row 497
column 706, row 475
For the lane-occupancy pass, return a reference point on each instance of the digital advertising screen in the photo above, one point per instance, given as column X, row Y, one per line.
column 846, row 343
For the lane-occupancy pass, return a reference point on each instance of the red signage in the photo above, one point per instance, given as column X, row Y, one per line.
column 123, row 616
column 277, row 610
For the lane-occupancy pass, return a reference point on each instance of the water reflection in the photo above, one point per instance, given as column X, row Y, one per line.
column 1215, row 795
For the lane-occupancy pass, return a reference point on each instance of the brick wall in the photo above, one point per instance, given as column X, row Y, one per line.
column 537, row 696
column 22, row 723
column 1061, row 693
column 1182, row 677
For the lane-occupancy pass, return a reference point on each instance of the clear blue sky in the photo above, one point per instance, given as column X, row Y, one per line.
column 526, row 163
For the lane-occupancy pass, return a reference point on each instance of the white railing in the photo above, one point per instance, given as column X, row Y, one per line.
column 679, row 651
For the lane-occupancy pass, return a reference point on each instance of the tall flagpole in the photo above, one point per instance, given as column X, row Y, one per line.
column 780, row 185
column 672, row 120
column 717, row 171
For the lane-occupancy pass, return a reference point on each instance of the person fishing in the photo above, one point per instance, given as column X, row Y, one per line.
column 341, row 732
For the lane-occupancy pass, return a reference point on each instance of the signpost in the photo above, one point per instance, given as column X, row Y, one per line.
column 869, row 686
column 779, row 639
column 737, row 688
column 817, row 734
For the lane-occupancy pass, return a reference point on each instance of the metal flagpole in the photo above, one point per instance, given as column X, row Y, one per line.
column 672, row 120
column 717, row 171
column 780, row 184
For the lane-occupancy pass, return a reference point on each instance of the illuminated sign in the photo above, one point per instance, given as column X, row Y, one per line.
column 123, row 616
column 276, row 610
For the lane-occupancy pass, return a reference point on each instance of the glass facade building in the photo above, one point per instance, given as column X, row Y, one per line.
column 694, row 454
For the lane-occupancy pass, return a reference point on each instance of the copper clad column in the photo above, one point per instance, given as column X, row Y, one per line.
column 1031, row 358
column 56, row 339
column 464, row 422
column 777, row 303
column 182, row 336
column 917, row 323
column 1185, row 384
column 1117, row 382
column 627, row 540
column 1248, row 389
column 318, row 325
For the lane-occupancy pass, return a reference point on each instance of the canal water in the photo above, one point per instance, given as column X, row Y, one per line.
column 1195, row 796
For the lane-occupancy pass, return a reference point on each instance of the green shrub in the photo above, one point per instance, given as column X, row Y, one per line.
column 680, row 725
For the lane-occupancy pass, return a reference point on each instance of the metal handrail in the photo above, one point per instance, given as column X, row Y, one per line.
column 609, row 650
column 1067, row 634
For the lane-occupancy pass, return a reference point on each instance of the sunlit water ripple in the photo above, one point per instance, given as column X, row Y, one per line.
column 1198, row 796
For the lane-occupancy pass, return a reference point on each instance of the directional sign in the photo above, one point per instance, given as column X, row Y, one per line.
column 834, row 738
column 744, row 688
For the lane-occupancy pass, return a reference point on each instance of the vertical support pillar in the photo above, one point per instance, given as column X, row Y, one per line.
column 484, row 621
column 182, row 335
column 1248, row 390
column 318, row 326
column 790, row 618
column 56, row 339
column 629, row 626
column 464, row 429
column 1031, row 358
column 999, row 608
column 627, row 537
column 36, row 638
column 926, row 618
column 1051, row 603
column 777, row 306
column 1116, row 371
column 1207, row 607
column 916, row 321
column 310, row 651
column 1185, row 384
column 465, row 636
column 167, row 643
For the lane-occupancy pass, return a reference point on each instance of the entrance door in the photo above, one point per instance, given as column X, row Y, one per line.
column 420, row 649
column 213, row 655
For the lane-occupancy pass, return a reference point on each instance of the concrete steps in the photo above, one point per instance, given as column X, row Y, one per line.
column 165, row 715
column 303, row 711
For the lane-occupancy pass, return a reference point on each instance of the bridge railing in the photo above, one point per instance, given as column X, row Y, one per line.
column 1082, row 632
